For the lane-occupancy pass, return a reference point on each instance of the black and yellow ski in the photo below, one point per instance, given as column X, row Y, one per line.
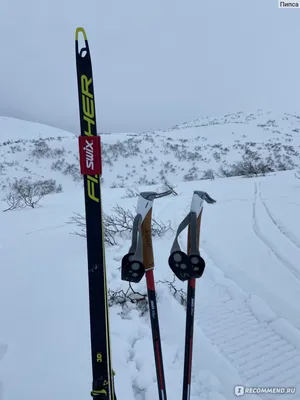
column 90, row 164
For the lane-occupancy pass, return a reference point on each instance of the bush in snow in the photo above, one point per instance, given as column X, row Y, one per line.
column 2, row 168
column 41, row 149
column 24, row 193
column 116, row 185
column 178, row 294
column 118, row 224
column 80, row 222
column 143, row 180
column 217, row 156
column 122, row 220
column 209, row 174
column 166, row 185
column 251, row 168
column 126, row 149
column 192, row 174
column 130, row 193
column 125, row 298
column 73, row 170
column 225, row 172
column 13, row 200
column 58, row 165
column 57, row 153
column 15, row 148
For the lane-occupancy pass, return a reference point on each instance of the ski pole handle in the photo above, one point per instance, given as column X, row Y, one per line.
column 146, row 233
column 189, row 244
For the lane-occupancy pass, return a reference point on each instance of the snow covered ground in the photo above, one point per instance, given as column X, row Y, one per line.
column 247, row 328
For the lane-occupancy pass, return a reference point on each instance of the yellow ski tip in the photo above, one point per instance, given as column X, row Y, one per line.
column 80, row 30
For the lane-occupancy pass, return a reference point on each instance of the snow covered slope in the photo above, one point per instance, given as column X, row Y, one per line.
column 247, row 309
column 188, row 152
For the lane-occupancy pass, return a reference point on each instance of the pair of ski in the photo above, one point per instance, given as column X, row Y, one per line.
column 186, row 266
column 140, row 259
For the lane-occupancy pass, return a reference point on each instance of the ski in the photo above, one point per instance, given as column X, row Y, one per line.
column 91, row 169
column 139, row 262
column 189, row 266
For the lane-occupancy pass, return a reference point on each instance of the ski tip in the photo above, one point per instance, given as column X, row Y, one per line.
column 78, row 31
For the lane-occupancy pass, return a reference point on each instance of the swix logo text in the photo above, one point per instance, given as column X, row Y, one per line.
column 89, row 155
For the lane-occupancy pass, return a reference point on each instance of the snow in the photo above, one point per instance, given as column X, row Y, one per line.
column 13, row 129
column 247, row 322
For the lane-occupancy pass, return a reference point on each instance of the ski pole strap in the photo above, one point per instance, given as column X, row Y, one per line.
column 136, row 243
column 132, row 267
column 190, row 219
column 183, row 224
column 187, row 266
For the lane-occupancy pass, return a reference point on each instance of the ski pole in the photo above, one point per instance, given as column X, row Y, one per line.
column 140, row 261
column 189, row 266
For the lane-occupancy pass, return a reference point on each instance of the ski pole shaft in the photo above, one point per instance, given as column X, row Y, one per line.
column 189, row 325
column 148, row 259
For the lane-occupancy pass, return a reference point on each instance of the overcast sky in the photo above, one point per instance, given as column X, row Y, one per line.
column 156, row 63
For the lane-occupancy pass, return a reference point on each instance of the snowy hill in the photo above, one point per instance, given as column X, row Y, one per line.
column 247, row 328
column 188, row 152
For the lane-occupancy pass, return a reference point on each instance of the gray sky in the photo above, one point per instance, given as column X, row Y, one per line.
column 156, row 63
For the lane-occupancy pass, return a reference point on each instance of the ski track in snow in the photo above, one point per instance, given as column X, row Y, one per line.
column 259, row 353
column 278, row 224
column 250, row 337
column 47, row 228
column 266, row 239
